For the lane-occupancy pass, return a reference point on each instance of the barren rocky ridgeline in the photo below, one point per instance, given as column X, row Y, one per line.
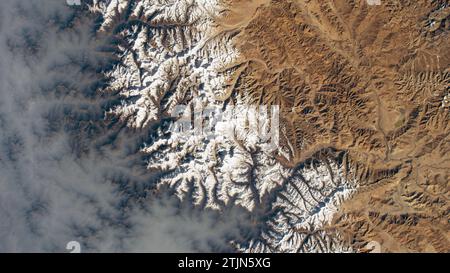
column 367, row 83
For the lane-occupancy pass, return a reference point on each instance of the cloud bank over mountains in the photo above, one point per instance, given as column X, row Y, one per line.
column 67, row 172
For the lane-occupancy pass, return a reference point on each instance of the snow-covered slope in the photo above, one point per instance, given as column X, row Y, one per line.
column 168, row 51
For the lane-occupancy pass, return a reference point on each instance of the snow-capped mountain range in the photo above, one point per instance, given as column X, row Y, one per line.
column 172, row 53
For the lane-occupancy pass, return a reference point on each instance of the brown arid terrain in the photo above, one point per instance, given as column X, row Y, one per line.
column 367, row 85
